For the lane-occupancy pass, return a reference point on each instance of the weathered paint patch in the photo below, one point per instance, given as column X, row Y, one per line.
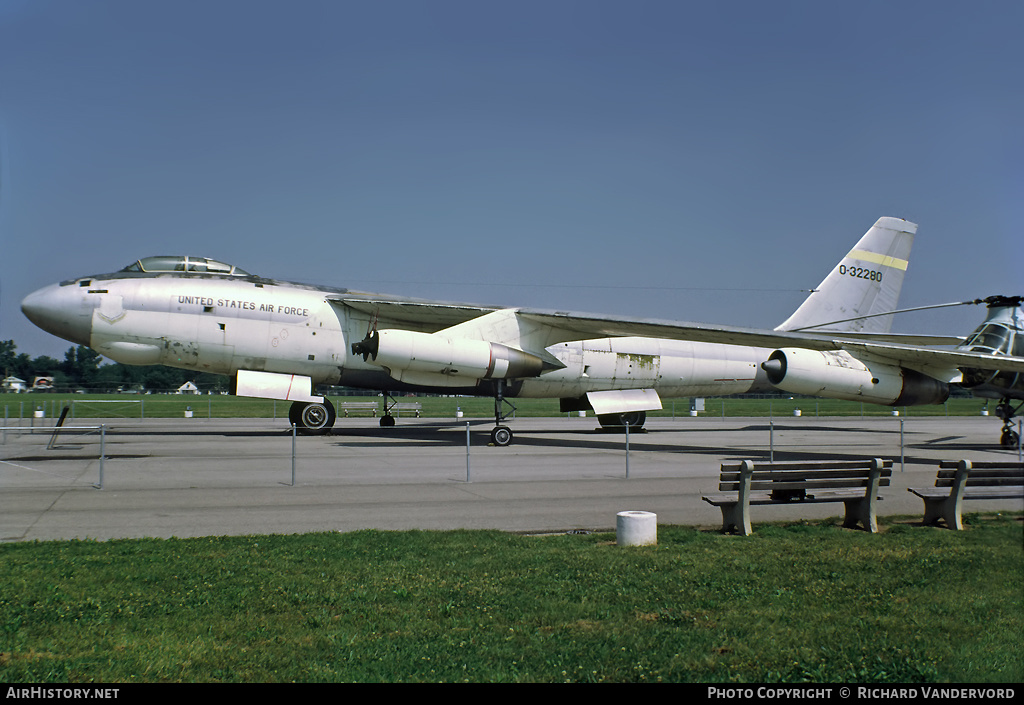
column 642, row 362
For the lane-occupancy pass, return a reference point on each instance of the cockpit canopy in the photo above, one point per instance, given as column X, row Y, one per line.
column 196, row 265
column 997, row 338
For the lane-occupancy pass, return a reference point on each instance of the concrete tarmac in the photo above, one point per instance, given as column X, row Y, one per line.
column 206, row 477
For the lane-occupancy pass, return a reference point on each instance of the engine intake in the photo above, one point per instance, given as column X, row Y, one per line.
column 839, row 375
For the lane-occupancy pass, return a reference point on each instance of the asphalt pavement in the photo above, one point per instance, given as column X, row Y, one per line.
column 203, row 477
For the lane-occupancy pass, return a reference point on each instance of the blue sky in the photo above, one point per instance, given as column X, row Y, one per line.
column 702, row 161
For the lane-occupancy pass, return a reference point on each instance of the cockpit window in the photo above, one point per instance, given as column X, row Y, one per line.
column 184, row 264
column 994, row 338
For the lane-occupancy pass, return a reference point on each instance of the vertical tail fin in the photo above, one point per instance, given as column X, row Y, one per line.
column 865, row 282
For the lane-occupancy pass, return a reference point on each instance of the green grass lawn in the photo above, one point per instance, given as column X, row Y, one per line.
column 794, row 602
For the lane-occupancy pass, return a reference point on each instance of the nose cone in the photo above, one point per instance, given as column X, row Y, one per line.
column 60, row 310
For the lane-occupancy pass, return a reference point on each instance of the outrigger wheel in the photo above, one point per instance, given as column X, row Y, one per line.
column 501, row 435
column 312, row 417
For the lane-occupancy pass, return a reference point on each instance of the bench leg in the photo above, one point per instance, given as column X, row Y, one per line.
column 939, row 509
column 861, row 511
column 736, row 518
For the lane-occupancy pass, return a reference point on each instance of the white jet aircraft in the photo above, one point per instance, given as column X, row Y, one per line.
column 280, row 339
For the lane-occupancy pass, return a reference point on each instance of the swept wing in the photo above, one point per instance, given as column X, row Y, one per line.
column 533, row 330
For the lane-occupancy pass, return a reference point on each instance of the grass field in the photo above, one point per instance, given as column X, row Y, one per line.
column 794, row 602
column 21, row 406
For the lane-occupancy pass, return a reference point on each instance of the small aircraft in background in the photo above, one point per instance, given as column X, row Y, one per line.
column 279, row 339
column 1001, row 334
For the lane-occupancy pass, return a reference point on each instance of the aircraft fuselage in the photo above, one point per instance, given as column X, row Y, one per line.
column 223, row 324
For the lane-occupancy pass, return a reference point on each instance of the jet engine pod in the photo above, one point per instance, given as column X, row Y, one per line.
column 839, row 375
column 404, row 350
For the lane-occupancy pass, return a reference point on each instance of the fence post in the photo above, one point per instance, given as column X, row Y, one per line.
column 627, row 451
column 467, row 452
column 294, row 433
column 902, row 452
column 103, row 453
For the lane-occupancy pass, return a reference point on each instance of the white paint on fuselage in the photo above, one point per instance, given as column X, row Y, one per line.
column 223, row 325
column 672, row 367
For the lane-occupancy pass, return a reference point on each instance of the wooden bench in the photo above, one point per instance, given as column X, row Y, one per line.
column 855, row 483
column 958, row 480
column 407, row 406
column 349, row 406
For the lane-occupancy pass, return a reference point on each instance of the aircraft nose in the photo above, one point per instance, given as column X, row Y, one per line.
column 60, row 310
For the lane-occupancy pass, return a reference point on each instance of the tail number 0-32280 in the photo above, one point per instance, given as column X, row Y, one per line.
column 860, row 273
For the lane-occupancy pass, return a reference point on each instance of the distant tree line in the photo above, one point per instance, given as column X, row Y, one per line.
column 84, row 368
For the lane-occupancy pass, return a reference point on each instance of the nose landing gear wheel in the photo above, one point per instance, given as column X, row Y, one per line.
column 501, row 435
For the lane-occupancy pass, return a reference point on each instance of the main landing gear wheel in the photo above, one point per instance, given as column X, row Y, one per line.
column 501, row 435
column 312, row 418
column 387, row 420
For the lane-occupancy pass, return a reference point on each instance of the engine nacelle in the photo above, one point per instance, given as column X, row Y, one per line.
column 409, row 354
column 839, row 375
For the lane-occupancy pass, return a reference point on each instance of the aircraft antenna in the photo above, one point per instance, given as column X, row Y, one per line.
column 973, row 302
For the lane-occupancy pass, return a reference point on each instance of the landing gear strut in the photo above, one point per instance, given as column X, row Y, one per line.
column 1008, row 438
column 387, row 420
column 312, row 418
column 501, row 435
column 393, row 404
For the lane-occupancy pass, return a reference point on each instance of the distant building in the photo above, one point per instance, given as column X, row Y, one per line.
column 188, row 388
column 42, row 383
column 15, row 385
